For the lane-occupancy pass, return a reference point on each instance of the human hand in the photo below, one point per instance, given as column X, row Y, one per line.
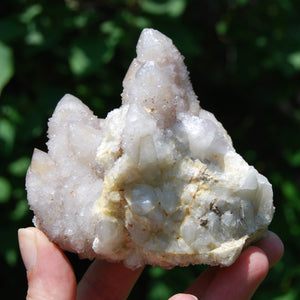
column 50, row 275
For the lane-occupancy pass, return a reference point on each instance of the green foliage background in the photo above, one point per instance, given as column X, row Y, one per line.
column 244, row 61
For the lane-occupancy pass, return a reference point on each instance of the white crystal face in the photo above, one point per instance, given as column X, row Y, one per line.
column 157, row 182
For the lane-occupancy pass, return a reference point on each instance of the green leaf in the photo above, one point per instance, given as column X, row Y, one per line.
column 294, row 60
column 291, row 193
column 11, row 256
column 261, row 41
column 30, row 13
column 5, row 190
column 34, row 37
column 20, row 210
column 221, row 27
column 292, row 294
column 292, row 220
column 7, row 136
column 79, row 61
column 6, row 65
column 19, row 167
column 159, row 290
column 157, row 272
column 11, row 113
column 293, row 158
column 173, row 8
column 88, row 54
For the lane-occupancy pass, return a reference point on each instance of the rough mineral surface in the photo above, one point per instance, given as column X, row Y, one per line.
column 156, row 182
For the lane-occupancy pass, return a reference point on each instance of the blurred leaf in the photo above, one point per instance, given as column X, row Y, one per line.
column 19, row 166
column 20, row 210
column 159, row 290
column 293, row 158
column 157, row 272
column 291, row 193
column 115, row 33
column 261, row 41
column 292, row 220
column 79, row 61
column 6, row 65
column 82, row 20
column 11, row 113
column 7, row 135
column 30, row 13
column 292, row 294
column 173, row 8
column 19, row 193
column 221, row 28
column 294, row 60
column 140, row 22
column 88, row 54
column 34, row 36
column 11, row 256
column 5, row 190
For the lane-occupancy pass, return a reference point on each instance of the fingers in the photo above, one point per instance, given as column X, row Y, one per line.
column 49, row 273
column 240, row 280
column 202, row 282
column 183, row 297
column 271, row 244
column 105, row 280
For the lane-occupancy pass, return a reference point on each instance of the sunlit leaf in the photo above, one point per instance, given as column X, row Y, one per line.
column 79, row 61
column 31, row 12
column 19, row 166
column 34, row 37
column 6, row 65
column 88, row 54
column 294, row 60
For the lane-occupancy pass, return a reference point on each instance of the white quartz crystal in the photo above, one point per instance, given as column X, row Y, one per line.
column 157, row 182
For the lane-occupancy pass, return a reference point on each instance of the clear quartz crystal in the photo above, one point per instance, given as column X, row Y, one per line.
column 157, row 182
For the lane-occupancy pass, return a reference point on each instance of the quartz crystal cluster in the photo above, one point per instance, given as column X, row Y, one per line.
column 157, row 182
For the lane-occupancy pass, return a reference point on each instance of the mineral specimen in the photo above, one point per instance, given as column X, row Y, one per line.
column 157, row 182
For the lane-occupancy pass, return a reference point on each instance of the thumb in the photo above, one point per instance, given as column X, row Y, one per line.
column 49, row 273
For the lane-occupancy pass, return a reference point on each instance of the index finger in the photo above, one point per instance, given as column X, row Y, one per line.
column 105, row 280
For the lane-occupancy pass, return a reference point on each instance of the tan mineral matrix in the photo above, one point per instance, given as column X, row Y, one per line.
column 157, row 182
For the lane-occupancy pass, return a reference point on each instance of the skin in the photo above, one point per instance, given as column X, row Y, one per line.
column 50, row 275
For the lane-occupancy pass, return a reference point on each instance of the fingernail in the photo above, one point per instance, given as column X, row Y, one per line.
column 27, row 247
column 191, row 296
